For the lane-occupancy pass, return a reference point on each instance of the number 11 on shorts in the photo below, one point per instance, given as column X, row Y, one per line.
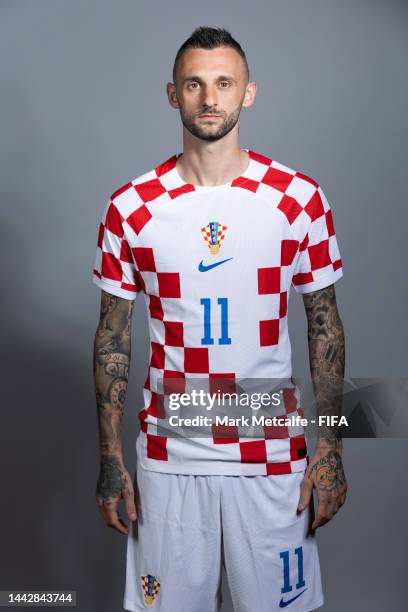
column 284, row 555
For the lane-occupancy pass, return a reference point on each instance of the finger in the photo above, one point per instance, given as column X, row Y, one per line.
column 321, row 518
column 336, row 505
column 332, row 504
column 343, row 495
column 326, row 509
column 107, row 506
column 129, row 499
column 334, row 509
column 321, row 513
column 341, row 498
column 337, row 499
column 114, row 521
column 305, row 494
column 319, row 522
column 110, row 514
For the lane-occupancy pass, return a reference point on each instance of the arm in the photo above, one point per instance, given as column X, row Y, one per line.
column 326, row 358
column 111, row 361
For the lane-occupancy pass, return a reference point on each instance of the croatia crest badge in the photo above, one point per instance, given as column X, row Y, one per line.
column 214, row 234
column 150, row 588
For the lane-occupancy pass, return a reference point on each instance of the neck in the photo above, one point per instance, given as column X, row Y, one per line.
column 211, row 163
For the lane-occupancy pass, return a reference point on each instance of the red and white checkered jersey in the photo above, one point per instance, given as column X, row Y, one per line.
column 215, row 265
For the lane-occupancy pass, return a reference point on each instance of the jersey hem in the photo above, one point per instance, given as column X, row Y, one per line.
column 114, row 289
column 218, row 468
column 212, row 468
column 215, row 468
column 320, row 283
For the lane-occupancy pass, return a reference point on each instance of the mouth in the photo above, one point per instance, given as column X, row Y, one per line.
column 209, row 116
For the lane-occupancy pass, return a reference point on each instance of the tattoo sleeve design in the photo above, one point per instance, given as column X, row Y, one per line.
column 329, row 472
column 326, row 356
column 111, row 481
column 111, row 362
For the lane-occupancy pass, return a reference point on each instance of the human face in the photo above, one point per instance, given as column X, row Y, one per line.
column 211, row 88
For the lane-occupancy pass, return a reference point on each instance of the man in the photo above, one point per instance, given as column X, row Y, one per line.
column 214, row 237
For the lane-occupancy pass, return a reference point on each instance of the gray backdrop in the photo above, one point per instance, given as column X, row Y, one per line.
column 84, row 111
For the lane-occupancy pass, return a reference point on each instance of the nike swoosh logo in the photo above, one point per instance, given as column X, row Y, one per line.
column 203, row 268
column 283, row 604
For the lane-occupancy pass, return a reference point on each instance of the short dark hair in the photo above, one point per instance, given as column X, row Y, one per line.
column 205, row 37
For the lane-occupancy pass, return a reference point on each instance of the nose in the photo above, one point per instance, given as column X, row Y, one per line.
column 209, row 96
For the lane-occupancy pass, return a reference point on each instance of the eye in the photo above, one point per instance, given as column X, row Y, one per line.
column 224, row 84
column 193, row 85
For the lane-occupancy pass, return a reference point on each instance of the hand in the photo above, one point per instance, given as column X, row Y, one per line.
column 115, row 483
column 326, row 473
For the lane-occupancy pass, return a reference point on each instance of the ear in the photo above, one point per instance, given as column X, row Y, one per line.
column 250, row 94
column 172, row 95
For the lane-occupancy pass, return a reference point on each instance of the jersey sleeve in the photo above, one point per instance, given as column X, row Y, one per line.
column 318, row 263
column 114, row 270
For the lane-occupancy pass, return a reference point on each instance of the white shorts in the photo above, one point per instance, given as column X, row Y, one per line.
column 189, row 527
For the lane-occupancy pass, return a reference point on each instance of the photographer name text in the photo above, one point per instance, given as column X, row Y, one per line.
column 294, row 420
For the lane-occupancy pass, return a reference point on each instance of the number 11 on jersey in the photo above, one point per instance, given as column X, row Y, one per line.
column 207, row 337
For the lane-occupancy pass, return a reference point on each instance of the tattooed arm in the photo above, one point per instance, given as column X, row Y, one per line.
column 111, row 363
column 326, row 358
